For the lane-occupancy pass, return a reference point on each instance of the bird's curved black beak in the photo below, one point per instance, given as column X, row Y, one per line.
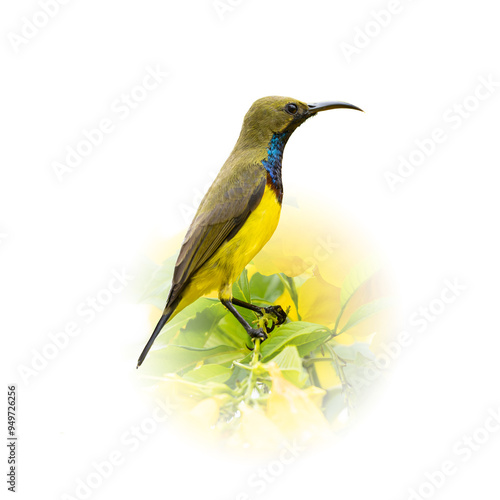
column 323, row 106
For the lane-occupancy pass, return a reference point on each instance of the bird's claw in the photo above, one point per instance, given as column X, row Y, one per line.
column 278, row 312
column 257, row 333
column 270, row 317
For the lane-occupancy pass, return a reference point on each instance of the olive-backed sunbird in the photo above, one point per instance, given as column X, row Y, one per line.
column 239, row 213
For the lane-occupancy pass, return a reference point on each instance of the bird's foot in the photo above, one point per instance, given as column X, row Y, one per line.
column 278, row 313
column 257, row 333
column 271, row 316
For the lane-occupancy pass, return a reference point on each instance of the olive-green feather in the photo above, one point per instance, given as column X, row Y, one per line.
column 232, row 197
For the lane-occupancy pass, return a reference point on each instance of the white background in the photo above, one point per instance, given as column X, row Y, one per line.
column 61, row 240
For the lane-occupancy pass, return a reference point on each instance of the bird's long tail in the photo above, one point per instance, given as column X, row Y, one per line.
column 163, row 320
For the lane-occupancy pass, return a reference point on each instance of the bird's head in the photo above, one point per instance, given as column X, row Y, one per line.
column 277, row 115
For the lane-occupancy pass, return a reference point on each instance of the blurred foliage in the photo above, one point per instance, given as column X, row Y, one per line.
column 297, row 381
column 302, row 381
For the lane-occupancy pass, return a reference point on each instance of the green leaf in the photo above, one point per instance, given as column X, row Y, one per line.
column 290, row 365
column 227, row 358
column 356, row 277
column 181, row 319
column 209, row 373
column 364, row 312
column 266, row 288
column 289, row 359
column 316, row 341
column 241, row 291
column 200, row 327
column 176, row 358
column 229, row 331
column 358, row 353
column 297, row 333
column 241, row 288
column 290, row 285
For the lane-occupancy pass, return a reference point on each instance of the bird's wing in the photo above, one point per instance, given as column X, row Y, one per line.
column 222, row 213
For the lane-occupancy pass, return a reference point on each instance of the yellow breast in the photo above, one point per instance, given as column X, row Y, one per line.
column 254, row 234
column 228, row 262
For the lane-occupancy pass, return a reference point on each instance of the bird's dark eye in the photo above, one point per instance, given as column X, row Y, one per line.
column 291, row 108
